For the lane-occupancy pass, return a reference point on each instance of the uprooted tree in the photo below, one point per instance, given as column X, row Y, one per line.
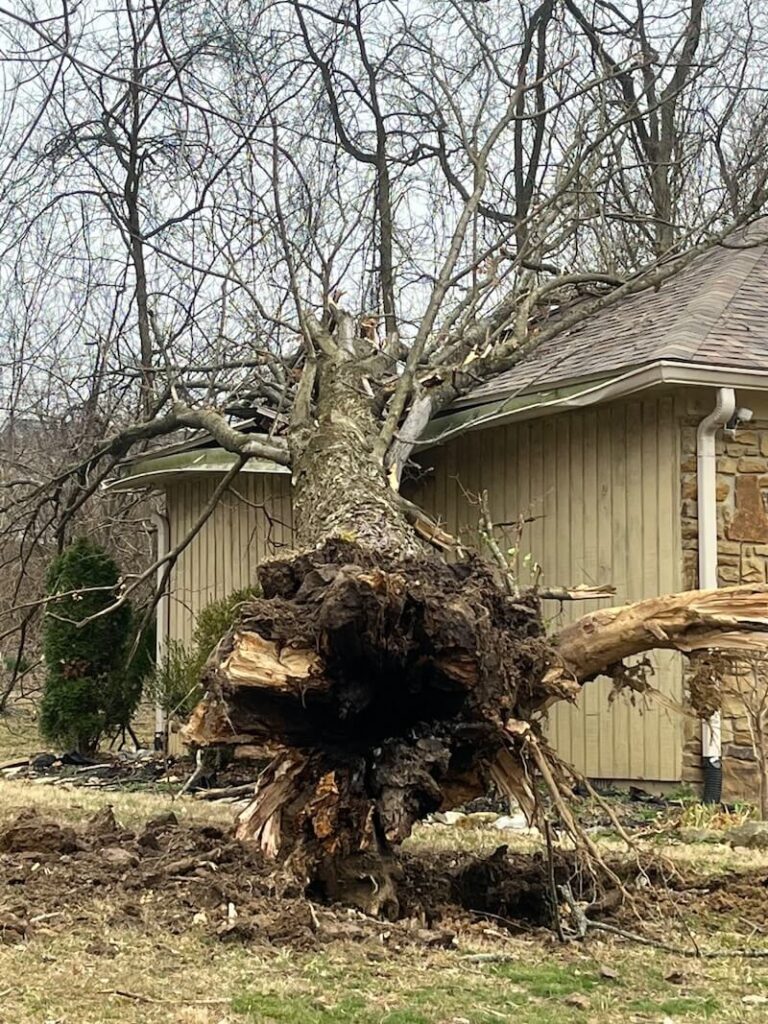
column 331, row 222
column 400, row 685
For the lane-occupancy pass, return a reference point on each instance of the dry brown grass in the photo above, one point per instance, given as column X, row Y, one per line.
column 68, row 803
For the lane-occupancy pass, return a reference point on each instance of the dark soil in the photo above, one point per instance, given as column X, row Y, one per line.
column 177, row 877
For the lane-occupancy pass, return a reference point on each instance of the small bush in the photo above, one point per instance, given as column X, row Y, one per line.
column 87, row 690
column 175, row 683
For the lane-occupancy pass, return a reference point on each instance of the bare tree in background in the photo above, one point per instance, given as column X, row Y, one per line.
column 342, row 218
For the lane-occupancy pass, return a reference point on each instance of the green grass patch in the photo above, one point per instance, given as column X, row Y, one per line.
column 698, row 1007
column 300, row 1009
column 547, row 980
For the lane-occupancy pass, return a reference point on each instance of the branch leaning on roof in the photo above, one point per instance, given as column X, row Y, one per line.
column 507, row 338
column 228, row 437
column 115, row 447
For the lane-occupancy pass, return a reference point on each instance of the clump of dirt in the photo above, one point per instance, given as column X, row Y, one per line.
column 175, row 877
column 732, row 895
column 29, row 834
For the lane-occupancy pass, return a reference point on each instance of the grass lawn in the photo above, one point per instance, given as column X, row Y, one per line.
column 90, row 973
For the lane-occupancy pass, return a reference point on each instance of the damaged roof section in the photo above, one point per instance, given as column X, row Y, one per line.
column 714, row 311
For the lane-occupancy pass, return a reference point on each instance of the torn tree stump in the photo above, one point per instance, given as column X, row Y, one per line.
column 393, row 685
column 388, row 682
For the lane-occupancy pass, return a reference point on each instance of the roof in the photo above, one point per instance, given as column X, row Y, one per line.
column 191, row 458
column 715, row 310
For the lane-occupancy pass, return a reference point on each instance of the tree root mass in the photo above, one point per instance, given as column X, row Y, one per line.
column 390, row 684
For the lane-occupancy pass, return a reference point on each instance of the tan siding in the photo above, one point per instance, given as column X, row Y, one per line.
column 603, row 486
column 251, row 522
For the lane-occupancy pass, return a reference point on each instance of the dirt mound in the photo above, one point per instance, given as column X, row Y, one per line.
column 178, row 877
column 32, row 836
column 735, row 895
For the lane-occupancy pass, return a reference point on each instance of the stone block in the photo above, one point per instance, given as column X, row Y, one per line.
column 692, row 733
column 723, row 489
column 690, row 509
column 688, row 440
column 750, row 521
column 764, row 442
column 732, row 751
column 741, row 738
column 728, row 574
column 728, row 547
column 738, row 451
column 689, row 488
column 688, row 464
column 732, row 704
column 753, row 569
column 690, row 568
column 740, row 782
column 727, row 464
column 752, row 464
column 750, row 438
column 689, row 529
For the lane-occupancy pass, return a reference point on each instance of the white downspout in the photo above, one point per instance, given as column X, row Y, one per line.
column 706, row 474
column 163, row 606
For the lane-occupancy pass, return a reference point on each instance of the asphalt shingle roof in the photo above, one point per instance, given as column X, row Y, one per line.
column 714, row 311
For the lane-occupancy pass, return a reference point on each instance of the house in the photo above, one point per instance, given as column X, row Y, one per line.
column 593, row 440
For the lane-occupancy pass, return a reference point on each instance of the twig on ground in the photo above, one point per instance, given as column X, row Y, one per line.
column 585, row 924
column 225, row 792
column 139, row 998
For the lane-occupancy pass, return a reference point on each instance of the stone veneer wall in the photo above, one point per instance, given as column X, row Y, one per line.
column 742, row 517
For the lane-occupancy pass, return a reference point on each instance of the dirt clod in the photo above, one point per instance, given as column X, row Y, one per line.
column 38, row 837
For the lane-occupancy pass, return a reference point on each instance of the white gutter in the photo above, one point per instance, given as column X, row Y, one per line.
column 630, row 382
column 658, row 371
column 706, row 474
column 162, row 618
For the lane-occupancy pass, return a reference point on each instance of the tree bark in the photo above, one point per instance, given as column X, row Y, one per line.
column 339, row 485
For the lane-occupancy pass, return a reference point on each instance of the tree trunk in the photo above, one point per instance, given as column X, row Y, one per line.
column 395, row 681
column 339, row 486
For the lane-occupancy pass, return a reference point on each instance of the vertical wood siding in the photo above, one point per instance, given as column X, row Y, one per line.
column 603, row 488
column 249, row 524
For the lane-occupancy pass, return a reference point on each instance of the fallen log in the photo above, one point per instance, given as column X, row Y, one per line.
column 395, row 686
column 225, row 792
